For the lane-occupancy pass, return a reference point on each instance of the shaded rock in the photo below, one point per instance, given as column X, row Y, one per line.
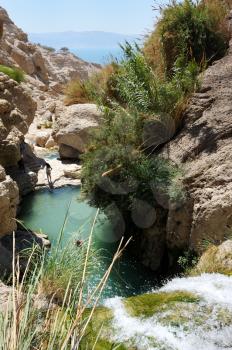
column 203, row 149
column 23, row 240
column 68, row 152
column 9, row 199
column 40, row 65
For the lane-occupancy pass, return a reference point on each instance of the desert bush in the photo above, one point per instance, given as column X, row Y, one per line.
column 117, row 169
column 140, row 88
column 14, row 73
column 76, row 92
column 194, row 29
column 99, row 87
column 145, row 90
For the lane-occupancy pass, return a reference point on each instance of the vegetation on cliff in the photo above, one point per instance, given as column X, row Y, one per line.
column 143, row 98
column 14, row 73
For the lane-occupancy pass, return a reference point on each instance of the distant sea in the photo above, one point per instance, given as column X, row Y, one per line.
column 98, row 55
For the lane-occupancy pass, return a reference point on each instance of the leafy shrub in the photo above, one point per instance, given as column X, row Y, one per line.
column 188, row 260
column 102, row 86
column 149, row 87
column 191, row 29
column 14, row 73
column 141, row 89
column 116, row 170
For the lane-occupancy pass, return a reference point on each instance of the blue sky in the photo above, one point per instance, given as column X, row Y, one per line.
column 122, row 16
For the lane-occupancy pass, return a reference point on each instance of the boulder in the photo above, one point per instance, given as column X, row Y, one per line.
column 23, row 60
column 73, row 171
column 68, row 152
column 40, row 65
column 73, row 127
column 42, row 137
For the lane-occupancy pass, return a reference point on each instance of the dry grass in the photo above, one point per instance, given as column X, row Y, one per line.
column 75, row 92
column 210, row 263
column 162, row 46
column 102, row 83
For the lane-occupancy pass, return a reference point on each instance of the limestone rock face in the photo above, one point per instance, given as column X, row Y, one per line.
column 9, row 198
column 17, row 110
column 73, row 126
column 50, row 68
column 202, row 149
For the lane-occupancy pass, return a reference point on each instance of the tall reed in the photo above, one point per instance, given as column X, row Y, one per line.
column 39, row 316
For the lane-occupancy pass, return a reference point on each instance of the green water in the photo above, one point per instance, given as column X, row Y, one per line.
column 44, row 210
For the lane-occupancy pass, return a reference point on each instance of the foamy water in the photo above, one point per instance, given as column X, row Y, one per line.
column 208, row 323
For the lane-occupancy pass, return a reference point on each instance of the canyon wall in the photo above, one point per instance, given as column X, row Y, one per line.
column 202, row 150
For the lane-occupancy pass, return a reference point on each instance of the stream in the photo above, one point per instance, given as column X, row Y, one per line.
column 45, row 211
column 202, row 325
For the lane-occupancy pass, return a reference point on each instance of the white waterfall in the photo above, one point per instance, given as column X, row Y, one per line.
column 207, row 323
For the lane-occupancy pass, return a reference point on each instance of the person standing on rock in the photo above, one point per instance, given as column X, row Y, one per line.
column 48, row 173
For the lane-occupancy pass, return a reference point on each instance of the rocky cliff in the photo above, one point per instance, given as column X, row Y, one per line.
column 41, row 64
column 26, row 105
column 202, row 149
column 46, row 71
column 17, row 110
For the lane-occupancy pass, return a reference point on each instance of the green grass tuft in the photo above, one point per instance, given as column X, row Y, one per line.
column 14, row 73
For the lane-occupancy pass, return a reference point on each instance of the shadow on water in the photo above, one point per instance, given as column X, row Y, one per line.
column 45, row 211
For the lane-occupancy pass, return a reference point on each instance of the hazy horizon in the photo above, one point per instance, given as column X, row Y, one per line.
column 122, row 16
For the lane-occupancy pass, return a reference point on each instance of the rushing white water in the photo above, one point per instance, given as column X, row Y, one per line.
column 207, row 324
